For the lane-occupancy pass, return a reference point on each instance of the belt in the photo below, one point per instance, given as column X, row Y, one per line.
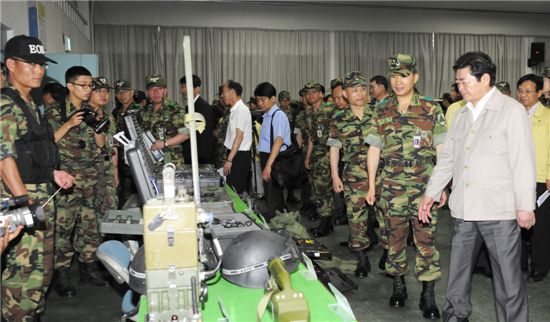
column 408, row 163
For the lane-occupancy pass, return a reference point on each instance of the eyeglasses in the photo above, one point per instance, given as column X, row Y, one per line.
column 33, row 65
column 524, row 91
column 90, row 86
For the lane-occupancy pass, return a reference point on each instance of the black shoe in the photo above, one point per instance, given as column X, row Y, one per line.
column 363, row 264
column 536, row 276
column 427, row 301
column 399, row 295
column 383, row 259
column 344, row 244
column 325, row 228
column 62, row 283
column 90, row 275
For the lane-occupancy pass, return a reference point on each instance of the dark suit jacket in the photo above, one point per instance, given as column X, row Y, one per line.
column 205, row 141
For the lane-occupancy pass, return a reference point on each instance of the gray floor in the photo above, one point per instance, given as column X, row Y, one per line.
column 369, row 302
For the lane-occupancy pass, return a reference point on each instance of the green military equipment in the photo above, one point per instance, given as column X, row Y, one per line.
column 287, row 304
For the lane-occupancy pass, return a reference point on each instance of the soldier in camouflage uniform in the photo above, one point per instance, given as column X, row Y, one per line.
column 317, row 156
column 165, row 120
column 77, row 221
column 105, row 190
column 125, row 95
column 406, row 131
column 348, row 131
column 29, row 259
column 301, row 133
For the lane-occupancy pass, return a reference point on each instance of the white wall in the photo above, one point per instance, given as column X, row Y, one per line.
column 319, row 17
column 16, row 17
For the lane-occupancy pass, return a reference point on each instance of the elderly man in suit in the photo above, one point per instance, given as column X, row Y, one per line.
column 489, row 154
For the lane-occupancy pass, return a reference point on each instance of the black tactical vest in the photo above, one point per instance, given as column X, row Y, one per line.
column 37, row 153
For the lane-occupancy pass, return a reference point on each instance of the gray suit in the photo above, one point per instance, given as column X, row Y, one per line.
column 492, row 164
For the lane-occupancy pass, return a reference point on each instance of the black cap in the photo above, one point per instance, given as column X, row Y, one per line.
column 27, row 48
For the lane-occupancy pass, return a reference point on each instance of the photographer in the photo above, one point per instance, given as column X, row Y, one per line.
column 28, row 157
column 79, row 142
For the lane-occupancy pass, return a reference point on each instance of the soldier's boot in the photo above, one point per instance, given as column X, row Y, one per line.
column 363, row 264
column 383, row 259
column 399, row 295
column 325, row 228
column 427, row 301
column 62, row 283
column 89, row 274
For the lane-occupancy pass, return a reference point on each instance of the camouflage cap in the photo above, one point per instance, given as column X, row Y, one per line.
column 122, row 85
column 100, row 82
column 402, row 64
column 503, row 87
column 352, row 79
column 312, row 86
column 546, row 72
column 283, row 94
column 155, row 80
column 336, row 82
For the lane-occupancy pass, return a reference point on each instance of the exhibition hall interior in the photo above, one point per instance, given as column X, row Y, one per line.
column 275, row 161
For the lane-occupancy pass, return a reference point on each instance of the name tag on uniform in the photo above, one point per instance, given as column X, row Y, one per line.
column 416, row 141
column 319, row 133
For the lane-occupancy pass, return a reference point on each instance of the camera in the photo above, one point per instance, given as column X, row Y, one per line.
column 27, row 216
column 99, row 125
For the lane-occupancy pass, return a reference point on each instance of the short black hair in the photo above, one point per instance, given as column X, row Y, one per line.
column 196, row 81
column 238, row 88
column 480, row 63
column 265, row 89
column 454, row 87
column 538, row 80
column 56, row 90
column 323, row 89
column 380, row 80
column 139, row 96
column 74, row 72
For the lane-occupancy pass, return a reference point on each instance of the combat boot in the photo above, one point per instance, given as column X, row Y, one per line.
column 427, row 301
column 363, row 264
column 399, row 295
column 62, row 283
column 383, row 259
column 90, row 275
column 325, row 228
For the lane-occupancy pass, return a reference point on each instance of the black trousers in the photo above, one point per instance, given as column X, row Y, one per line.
column 240, row 171
column 539, row 236
column 274, row 195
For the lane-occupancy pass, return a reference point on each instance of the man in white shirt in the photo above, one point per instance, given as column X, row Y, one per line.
column 238, row 138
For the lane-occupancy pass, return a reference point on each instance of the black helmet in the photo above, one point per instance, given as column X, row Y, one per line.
column 137, row 272
column 245, row 260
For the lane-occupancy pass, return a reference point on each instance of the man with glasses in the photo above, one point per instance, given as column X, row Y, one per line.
column 406, row 133
column 529, row 91
column 28, row 159
column 348, row 130
column 165, row 119
column 77, row 221
column 107, row 174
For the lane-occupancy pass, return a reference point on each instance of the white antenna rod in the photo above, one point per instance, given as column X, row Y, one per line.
column 192, row 124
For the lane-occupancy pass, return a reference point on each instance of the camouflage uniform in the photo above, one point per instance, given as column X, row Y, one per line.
column 106, row 197
column 76, row 220
column 348, row 133
column 407, row 142
column 29, row 263
column 378, row 211
column 320, row 161
column 221, row 150
column 163, row 125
